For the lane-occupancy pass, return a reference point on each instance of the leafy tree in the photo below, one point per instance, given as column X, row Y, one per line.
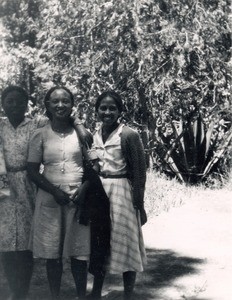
column 167, row 58
column 19, row 20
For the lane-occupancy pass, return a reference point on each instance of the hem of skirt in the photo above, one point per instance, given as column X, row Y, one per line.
column 111, row 271
column 14, row 250
column 65, row 256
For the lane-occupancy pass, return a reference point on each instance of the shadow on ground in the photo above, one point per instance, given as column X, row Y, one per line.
column 164, row 266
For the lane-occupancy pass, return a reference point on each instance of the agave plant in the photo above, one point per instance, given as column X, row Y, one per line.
column 192, row 150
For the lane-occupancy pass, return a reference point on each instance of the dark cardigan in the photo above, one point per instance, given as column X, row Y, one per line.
column 133, row 152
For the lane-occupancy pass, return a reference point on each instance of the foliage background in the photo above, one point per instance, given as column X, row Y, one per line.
column 168, row 59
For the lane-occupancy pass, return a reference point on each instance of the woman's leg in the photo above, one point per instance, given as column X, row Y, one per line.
column 54, row 274
column 18, row 267
column 129, row 283
column 97, row 286
column 79, row 272
column 25, row 263
column 10, row 269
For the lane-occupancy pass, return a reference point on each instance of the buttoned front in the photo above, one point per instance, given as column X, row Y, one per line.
column 56, row 230
column 61, row 155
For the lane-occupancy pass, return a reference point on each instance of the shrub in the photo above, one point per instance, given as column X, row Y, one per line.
column 192, row 149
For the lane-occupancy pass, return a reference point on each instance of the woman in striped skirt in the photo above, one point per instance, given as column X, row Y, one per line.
column 123, row 175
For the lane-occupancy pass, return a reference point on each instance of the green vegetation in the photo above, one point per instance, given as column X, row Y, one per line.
column 192, row 150
column 163, row 194
column 167, row 59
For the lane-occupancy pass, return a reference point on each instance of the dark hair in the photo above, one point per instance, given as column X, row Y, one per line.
column 48, row 94
column 13, row 88
column 117, row 98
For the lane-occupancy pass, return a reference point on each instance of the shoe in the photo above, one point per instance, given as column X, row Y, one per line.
column 15, row 297
column 92, row 297
column 113, row 295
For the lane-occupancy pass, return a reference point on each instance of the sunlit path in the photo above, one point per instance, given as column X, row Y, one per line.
column 199, row 231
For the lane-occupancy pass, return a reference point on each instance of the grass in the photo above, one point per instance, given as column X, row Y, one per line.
column 163, row 193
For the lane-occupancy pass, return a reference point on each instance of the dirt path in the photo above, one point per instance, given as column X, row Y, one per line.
column 189, row 256
column 196, row 240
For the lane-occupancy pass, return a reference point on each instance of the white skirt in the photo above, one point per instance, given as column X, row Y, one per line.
column 56, row 231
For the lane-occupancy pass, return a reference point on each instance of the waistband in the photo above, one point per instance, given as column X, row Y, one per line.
column 16, row 169
column 113, row 175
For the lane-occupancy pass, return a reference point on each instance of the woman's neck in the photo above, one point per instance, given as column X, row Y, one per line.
column 15, row 122
column 107, row 130
column 61, row 126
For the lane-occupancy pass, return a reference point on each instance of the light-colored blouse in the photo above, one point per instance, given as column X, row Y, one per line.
column 61, row 155
column 110, row 156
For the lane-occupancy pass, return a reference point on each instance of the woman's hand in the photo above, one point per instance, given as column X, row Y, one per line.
column 79, row 196
column 143, row 216
column 61, row 197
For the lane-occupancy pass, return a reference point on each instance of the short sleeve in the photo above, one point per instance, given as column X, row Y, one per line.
column 40, row 121
column 92, row 154
column 36, row 147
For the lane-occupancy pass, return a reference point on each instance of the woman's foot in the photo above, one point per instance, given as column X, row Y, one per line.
column 128, row 296
column 16, row 297
column 80, row 298
column 93, row 297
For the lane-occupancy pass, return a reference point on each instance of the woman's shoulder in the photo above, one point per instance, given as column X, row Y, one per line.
column 40, row 121
column 129, row 133
column 45, row 128
column 41, row 132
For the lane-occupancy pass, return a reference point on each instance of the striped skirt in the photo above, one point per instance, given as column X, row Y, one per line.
column 127, row 246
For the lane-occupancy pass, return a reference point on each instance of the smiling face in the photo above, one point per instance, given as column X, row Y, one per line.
column 15, row 105
column 108, row 111
column 60, row 104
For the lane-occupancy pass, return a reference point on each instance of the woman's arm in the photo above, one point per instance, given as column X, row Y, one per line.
column 84, row 135
column 35, row 158
column 135, row 157
column 61, row 197
column 140, row 179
